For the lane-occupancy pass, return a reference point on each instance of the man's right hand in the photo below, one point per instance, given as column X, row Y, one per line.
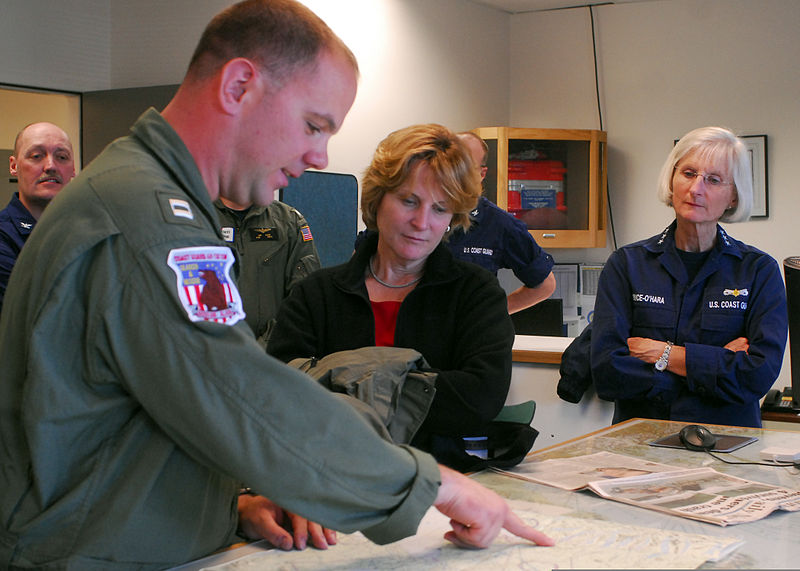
column 261, row 518
column 477, row 514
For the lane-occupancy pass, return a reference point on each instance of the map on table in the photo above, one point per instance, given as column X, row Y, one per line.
column 580, row 543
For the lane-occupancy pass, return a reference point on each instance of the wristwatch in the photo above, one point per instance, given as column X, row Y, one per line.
column 661, row 364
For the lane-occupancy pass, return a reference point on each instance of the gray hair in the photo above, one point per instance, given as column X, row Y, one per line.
column 720, row 144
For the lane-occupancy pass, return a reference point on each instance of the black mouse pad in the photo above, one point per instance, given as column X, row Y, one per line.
column 725, row 442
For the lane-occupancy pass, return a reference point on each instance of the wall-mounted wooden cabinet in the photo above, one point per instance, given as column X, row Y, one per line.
column 554, row 180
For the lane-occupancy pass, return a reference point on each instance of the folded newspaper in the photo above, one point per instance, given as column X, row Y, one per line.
column 702, row 494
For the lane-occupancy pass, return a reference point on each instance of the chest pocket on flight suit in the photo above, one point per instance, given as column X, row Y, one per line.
column 272, row 256
column 304, row 267
column 265, row 287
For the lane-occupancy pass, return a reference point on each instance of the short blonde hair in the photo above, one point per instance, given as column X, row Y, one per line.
column 441, row 150
column 716, row 144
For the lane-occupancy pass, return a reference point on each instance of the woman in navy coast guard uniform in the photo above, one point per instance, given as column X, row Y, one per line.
column 691, row 324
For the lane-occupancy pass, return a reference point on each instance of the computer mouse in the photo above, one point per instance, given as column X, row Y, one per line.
column 696, row 437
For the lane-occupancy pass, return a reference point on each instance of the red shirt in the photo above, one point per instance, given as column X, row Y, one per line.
column 385, row 313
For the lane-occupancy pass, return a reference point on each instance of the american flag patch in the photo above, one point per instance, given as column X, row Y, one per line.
column 204, row 285
column 306, row 232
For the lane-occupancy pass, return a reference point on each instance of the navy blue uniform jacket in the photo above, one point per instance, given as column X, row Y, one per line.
column 497, row 240
column 16, row 224
column 644, row 292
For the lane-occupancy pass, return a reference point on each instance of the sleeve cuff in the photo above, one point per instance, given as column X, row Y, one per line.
column 704, row 364
column 403, row 522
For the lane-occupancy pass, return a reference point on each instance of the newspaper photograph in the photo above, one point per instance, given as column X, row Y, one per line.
column 575, row 473
column 702, row 494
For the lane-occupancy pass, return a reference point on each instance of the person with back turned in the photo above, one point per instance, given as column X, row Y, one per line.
column 497, row 240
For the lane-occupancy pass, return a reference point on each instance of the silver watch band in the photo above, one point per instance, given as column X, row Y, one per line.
column 663, row 361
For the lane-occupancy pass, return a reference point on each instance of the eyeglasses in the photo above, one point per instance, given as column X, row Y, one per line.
column 710, row 179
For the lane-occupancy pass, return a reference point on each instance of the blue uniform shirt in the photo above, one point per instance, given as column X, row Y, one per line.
column 16, row 224
column 498, row 240
column 644, row 291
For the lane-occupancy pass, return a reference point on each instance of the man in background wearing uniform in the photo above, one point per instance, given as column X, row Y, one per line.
column 43, row 163
column 135, row 401
column 496, row 240
column 276, row 250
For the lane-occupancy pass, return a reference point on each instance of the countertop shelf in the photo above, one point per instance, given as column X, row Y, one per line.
column 775, row 416
column 539, row 349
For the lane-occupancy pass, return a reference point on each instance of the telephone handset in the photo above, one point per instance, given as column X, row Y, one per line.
column 781, row 401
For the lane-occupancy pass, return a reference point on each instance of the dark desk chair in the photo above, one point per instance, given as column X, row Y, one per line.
column 329, row 202
column 522, row 412
column 544, row 318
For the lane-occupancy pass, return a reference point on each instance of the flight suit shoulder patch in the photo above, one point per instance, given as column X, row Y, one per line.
column 204, row 285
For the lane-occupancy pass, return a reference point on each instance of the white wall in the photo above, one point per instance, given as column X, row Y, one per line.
column 152, row 40
column 55, row 45
column 444, row 61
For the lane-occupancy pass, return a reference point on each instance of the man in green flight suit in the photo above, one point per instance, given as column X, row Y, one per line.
column 134, row 400
column 276, row 250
